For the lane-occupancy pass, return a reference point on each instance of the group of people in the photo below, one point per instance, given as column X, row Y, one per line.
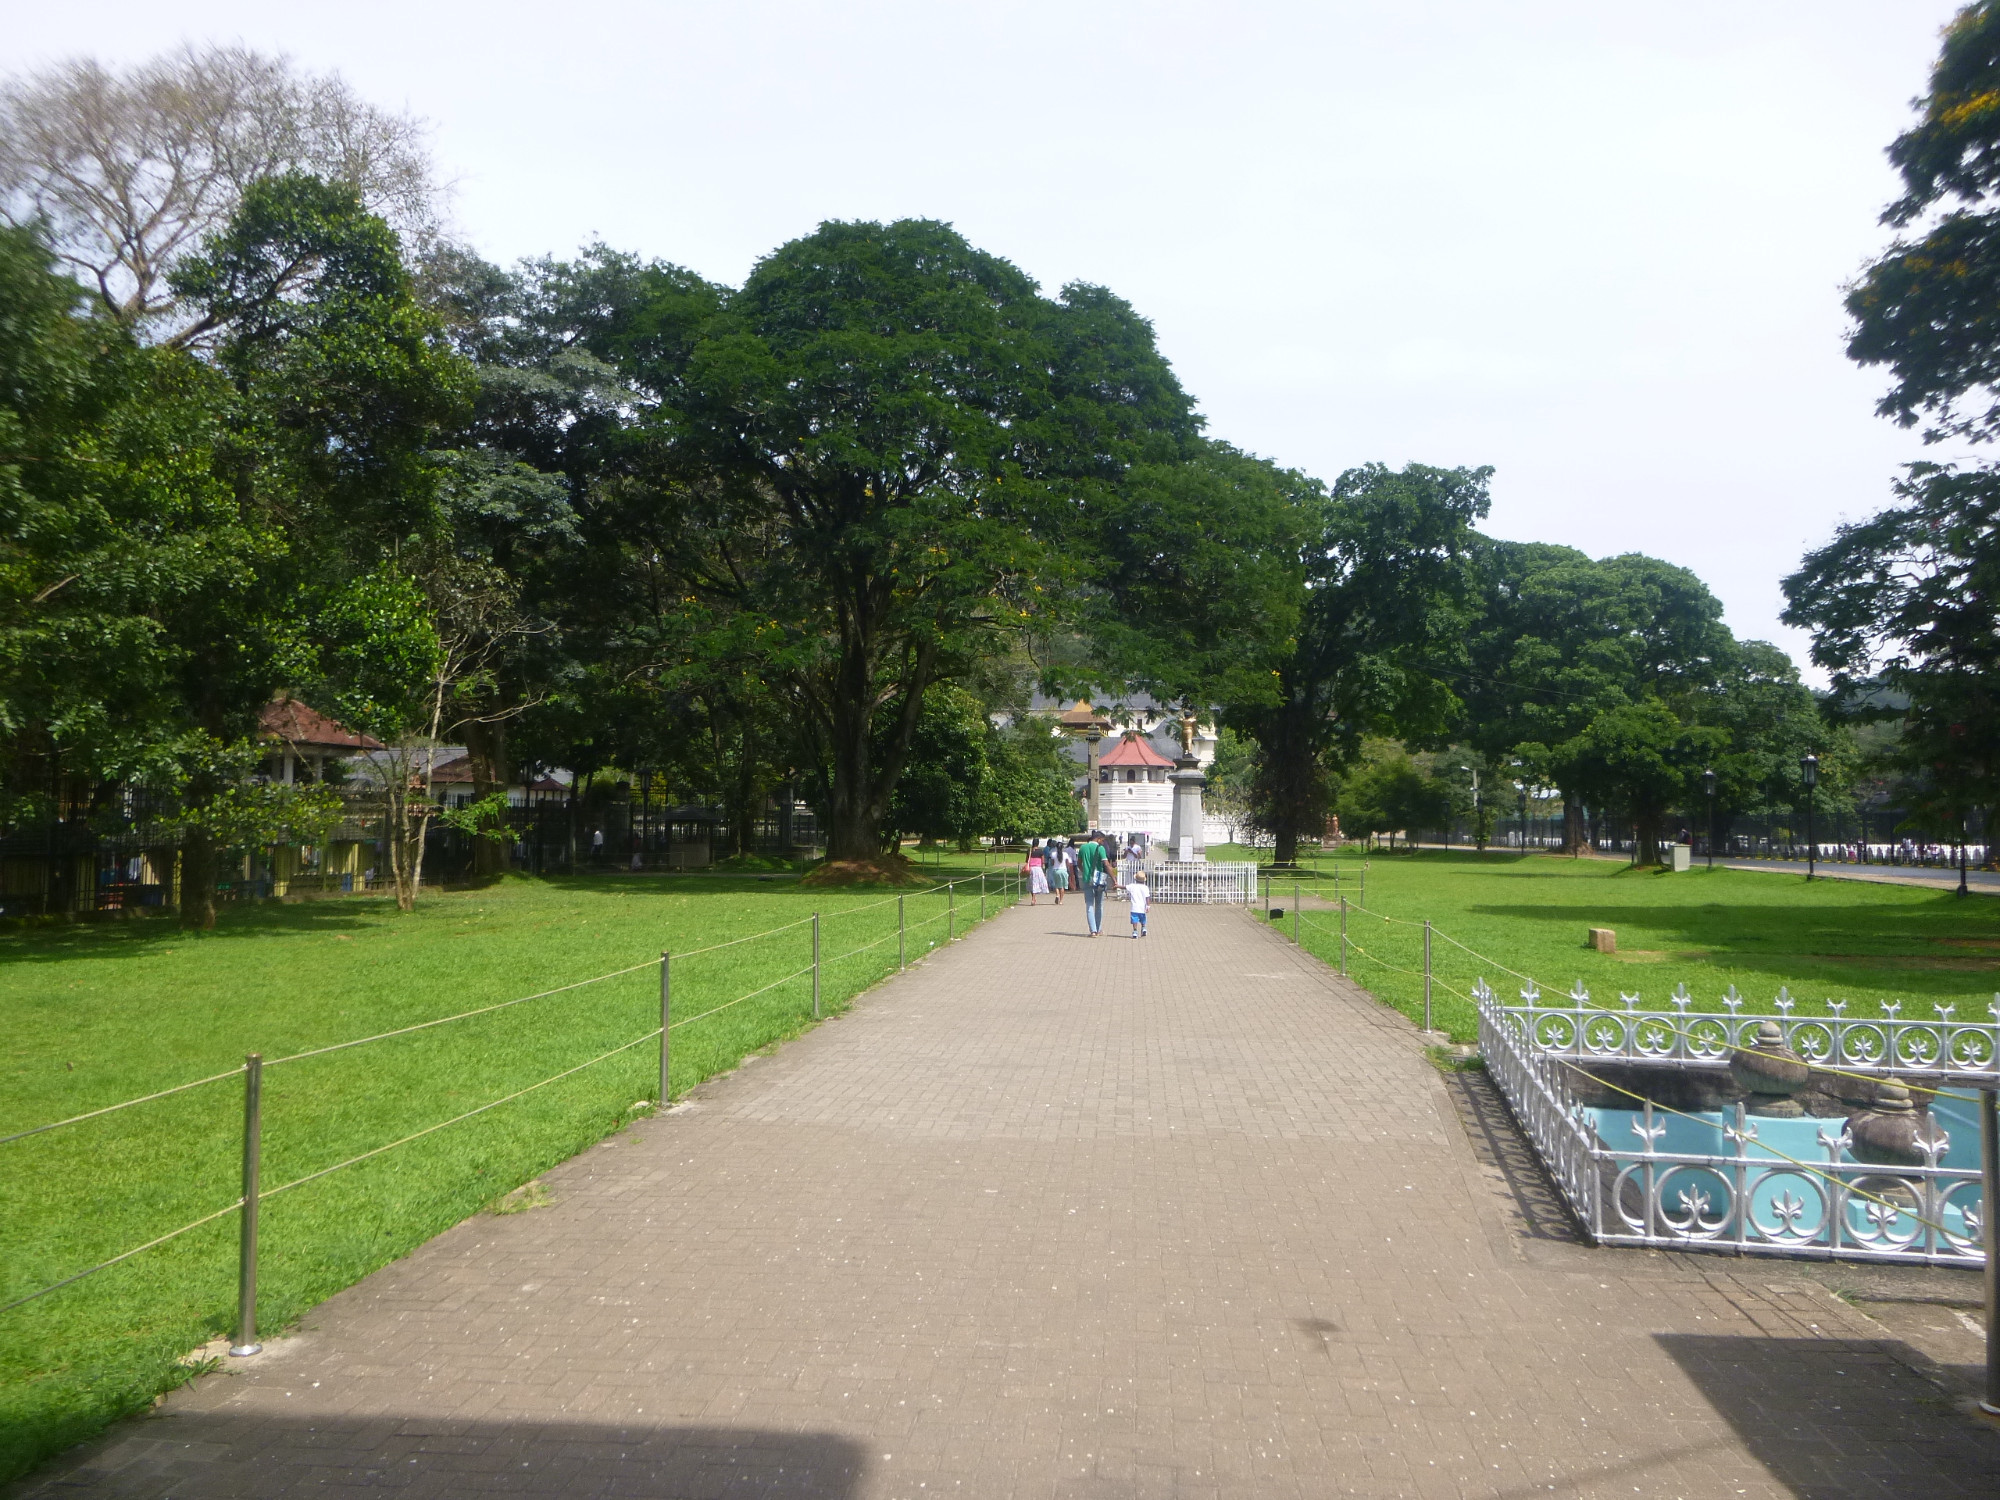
column 1091, row 865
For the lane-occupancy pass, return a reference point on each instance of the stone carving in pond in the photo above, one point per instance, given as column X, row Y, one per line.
column 1770, row 1074
column 1892, row 1132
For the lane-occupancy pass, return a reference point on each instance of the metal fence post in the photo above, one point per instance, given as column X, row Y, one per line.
column 1295, row 914
column 982, row 895
column 902, row 955
column 951, row 912
column 667, row 991
column 1989, row 1231
column 1427, row 974
column 1343, row 937
column 246, row 1252
column 815, row 966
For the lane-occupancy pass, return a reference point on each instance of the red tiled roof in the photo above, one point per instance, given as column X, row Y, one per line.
column 293, row 722
column 458, row 772
column 1132, row 750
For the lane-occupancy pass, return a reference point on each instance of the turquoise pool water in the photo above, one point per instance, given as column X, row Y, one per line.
column 1788, row 1202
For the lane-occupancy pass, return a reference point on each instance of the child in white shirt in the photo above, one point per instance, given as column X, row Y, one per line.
column 1139, row 894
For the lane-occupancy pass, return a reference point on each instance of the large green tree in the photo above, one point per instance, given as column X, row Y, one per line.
column 114, row 519
column 1383, row 567
column 1561, row 638
column 1639, row 758
column 338, row 392
column 1200, row 576
column 1909, row 600
column 883, row 448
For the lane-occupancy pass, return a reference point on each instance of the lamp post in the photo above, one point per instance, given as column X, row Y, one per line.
column 1475, row 802
column 1809, row 774
column 1708, row 785
column 1961, row 856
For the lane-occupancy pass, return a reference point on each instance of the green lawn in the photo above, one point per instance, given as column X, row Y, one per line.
column 1830, row 939
column 99, row 1013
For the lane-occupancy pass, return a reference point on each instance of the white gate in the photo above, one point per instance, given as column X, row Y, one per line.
column 1174, row 881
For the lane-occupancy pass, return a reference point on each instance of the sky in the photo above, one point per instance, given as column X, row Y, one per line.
column 1599, row 247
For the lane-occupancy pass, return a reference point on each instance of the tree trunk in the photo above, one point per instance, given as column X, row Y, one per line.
column 1576, row 833
column 745, row 798
column 486, row 749
column 858, row 801
column 199, row 871
column 1646, row 829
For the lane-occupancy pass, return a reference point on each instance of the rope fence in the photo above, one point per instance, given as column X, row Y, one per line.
column 1009, row 886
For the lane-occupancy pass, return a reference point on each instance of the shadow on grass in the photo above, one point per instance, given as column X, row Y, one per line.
column 59, row 942
column 216, row 1454
column 83, row 939
column 1713, row 920
column 1841, row 1416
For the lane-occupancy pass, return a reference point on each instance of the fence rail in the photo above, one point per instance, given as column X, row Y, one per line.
column 1198, row 881
column 1966, row 1052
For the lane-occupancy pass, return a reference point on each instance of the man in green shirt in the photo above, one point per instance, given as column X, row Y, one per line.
column 1093, row 872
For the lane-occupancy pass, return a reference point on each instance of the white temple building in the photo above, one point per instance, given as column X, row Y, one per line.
column 1133, row 793
column 1138, row 748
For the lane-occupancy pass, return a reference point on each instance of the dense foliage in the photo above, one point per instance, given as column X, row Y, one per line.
column 822, row 535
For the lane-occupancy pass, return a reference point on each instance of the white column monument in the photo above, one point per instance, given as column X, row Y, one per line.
column 1186, row 839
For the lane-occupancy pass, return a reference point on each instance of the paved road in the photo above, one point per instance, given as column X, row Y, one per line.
column 1985, row 881
column 1055, row 1217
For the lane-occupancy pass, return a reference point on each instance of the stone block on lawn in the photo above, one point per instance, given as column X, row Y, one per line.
column 1603, row 940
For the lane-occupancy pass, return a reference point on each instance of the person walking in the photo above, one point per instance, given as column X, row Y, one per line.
column 1093, row 874
column 1058, row 869
column 1038, row 876
column 1137, row 892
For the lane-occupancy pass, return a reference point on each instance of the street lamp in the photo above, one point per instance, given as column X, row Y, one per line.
column 1961, row 856
column 1708, row 785
column 1475, row 802
column 1809, row 774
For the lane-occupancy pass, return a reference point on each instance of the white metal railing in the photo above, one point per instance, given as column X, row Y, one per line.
column 1966, row 1051
column 1198, row 881
column 1749, row 1198
column 1539, row 1094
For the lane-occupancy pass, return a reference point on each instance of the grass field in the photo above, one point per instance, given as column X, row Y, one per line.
column 1830, row 939
column 95, row 1014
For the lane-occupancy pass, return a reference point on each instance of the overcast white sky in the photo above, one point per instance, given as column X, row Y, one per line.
column 1599, row 246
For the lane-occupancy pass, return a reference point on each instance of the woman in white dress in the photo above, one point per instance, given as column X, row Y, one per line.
column 1038, row 875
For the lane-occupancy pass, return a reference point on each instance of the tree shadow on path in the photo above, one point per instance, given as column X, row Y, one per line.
column 238, row 1456
column 1836, row 1417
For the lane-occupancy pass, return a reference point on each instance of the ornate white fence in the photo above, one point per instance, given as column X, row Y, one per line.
column 1577, row 1027
column 1749, row 1197
column 1175, row 882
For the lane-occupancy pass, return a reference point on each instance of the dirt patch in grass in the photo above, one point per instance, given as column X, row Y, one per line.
column 1922, row 961
column 883, row 869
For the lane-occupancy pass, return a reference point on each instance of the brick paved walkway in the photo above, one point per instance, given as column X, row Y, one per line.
column 1054, row 1217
